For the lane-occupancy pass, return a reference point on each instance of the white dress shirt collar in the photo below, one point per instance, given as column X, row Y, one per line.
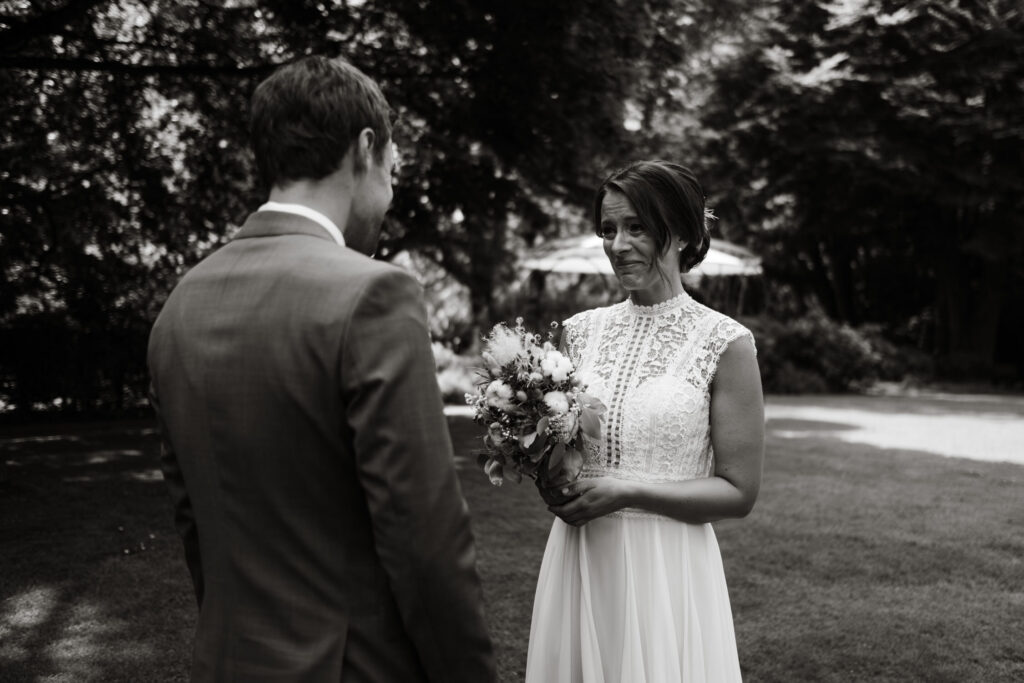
column 306, row 212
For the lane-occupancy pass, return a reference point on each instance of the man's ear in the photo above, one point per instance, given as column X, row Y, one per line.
column 366, row 140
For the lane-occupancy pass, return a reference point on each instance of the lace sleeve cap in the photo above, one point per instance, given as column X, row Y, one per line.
column 724, row 333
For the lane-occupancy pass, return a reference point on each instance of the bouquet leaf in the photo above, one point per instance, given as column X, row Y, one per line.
column 542, row 424
column 592, row 403
column 538, row 449
column 573, row 463
column 590, row 422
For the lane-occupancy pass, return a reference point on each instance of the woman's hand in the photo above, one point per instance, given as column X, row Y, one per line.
column 593, row 498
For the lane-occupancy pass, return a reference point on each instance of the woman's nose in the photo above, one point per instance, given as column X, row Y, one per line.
column 620, row 244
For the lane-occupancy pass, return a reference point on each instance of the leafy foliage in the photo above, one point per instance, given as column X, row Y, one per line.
column 125, row 151
column 872, row 150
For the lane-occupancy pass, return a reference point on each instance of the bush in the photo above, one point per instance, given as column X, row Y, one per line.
column 456, row 375
column 896, row 362
column 813, row 354
column 53, row 363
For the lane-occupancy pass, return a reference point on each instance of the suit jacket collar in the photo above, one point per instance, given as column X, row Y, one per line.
column 272, row 223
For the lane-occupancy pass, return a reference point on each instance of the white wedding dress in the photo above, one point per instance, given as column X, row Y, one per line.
column 636, row 597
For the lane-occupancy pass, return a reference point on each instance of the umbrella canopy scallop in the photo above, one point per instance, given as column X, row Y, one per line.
column 584, row 254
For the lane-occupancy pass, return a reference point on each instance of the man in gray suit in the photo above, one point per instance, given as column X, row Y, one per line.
column 305, row 445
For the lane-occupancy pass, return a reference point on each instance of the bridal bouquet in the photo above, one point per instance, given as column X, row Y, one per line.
column 533, row 406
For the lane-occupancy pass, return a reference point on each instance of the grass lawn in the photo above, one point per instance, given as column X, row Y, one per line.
column 859, row 562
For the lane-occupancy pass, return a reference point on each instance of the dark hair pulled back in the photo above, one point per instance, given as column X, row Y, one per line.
column 668, row 199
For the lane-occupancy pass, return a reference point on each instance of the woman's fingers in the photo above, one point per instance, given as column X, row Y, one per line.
column 574, row 512
column 577, row 488
column 577, row 511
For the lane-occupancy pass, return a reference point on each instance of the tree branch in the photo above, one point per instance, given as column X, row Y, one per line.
column 80, row 64
column 21, row 32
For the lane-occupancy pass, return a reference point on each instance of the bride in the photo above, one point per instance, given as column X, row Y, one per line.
column 631, row 587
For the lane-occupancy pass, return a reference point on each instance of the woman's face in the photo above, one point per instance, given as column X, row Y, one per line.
column 631, row 249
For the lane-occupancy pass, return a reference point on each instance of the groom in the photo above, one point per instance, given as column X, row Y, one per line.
column 305, row 445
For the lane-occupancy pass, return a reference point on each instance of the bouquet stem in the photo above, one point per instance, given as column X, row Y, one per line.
column 551, row 486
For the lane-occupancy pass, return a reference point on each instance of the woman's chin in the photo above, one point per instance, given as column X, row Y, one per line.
column 631, row 282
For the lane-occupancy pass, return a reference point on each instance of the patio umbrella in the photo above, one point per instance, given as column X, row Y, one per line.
column 584, row 254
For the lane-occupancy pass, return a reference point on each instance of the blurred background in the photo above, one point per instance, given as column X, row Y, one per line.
column 864, row 157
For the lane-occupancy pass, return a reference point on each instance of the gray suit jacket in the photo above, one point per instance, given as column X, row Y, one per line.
column 311, row 469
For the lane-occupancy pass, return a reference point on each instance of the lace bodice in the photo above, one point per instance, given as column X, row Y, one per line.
column 652, row 366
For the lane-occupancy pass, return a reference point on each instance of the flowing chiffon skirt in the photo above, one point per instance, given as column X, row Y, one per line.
column 632, row 599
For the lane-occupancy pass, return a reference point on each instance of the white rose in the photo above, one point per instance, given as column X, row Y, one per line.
column 557, row 402
column 556, row 366
column 562, row 370
column 495, row 433
column 498, row 394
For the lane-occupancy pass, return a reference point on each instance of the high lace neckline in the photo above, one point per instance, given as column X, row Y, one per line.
column 676, row 302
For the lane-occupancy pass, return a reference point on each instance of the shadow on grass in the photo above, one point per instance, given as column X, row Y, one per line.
column 511, row 526
column 92, row 586
column 858, row 563
column 793, row 424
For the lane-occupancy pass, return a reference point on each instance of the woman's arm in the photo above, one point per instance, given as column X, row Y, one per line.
column 737, row 436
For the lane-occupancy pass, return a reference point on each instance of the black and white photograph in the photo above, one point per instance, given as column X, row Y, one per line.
column 470, row 341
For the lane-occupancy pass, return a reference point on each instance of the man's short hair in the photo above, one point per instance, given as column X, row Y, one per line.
column 306, row 115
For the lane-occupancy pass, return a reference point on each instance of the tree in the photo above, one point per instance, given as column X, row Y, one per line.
column 874, row 149
column 125, row 152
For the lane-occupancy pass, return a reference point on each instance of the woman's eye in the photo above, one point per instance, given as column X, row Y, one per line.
column 636, row 229
column 607, row 232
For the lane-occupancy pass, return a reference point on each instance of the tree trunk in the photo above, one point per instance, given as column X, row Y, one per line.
column 969, row 310
column 840, row 257
column 822, row 282
column 481, row 301
column 987, row 312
